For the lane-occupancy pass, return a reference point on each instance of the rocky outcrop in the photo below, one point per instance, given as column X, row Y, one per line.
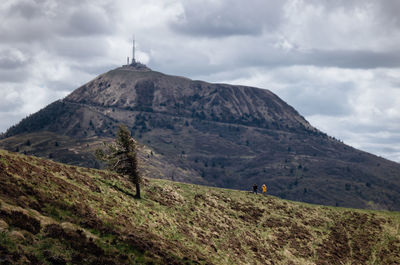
column 215, row 134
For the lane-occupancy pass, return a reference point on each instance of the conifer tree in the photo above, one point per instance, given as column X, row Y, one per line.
column 120, row 157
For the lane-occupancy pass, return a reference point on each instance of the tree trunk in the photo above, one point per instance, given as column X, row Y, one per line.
column 137, row 190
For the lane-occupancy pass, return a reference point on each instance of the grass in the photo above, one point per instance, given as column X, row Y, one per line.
column 88, row 212
column 7, row 242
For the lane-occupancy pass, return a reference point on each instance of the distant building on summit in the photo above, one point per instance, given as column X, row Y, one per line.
column 133, row 64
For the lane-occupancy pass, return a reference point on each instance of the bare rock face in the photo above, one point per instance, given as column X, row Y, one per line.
column 132, row 89
column 215, row 134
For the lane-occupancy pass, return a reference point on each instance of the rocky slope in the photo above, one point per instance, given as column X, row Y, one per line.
column 220, row 135
column 51, row 213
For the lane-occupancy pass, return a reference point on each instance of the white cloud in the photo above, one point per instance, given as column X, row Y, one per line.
column 359, row 107
column 336, row 62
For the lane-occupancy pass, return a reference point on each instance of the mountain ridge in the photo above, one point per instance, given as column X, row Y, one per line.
column 176, row 92
column 222, row 135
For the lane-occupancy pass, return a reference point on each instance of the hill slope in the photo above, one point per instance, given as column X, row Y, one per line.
column 221, row 135
column 52, row 213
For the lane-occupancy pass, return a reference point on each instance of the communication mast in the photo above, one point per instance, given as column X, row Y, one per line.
column 132, row 64
column 133, row 49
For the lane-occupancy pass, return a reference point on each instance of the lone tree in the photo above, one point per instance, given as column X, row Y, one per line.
column 121, row 157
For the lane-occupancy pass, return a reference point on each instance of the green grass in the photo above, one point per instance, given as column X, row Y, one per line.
column 58, row 213
column 188, row 223
column 7, row 242
column 3, row 161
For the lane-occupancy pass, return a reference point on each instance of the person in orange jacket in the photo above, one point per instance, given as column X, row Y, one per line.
column 264, row 189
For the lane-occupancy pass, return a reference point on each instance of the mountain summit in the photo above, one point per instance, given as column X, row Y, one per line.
column 214, row 134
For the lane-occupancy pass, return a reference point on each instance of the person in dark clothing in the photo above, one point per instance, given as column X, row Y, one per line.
column 255, row 188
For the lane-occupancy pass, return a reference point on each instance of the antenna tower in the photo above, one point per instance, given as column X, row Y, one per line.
column 133, row 49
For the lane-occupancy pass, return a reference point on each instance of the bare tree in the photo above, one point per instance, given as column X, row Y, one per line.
column 120, row 157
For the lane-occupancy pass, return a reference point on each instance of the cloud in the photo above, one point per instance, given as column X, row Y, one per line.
column 358, row 106
column 227, row 18
column 82, row 48
column 336, row 62
column 311, row 90
column 360, row 59
column 42, row 20
column 84, row 22
column 11, row 59
column 375, row 139
column 14, row 76
column 25, row 9
column 18, row 102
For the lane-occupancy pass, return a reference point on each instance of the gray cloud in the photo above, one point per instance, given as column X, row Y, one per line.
column 12, row 59
column 25, row 9
column 41, row 20
column 14, row 76
column 205, row 60
column 337, row 62
column 226, row 18
column 9, row 118
column 360, row 59
column 80, row 48
column 346, row 5
column 94, row 69
column 389, row 11
column 328, row 100
column 86, row 22
column 10, row 101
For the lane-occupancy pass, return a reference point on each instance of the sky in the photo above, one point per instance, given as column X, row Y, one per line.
column 336, row 62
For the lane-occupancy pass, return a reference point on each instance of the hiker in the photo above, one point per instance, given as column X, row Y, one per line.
column 264, row 189
column 255, row 188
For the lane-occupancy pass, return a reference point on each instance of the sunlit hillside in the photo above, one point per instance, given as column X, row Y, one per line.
column 51, row 213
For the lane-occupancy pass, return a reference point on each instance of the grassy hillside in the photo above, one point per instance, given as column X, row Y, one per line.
column 220, row 135
column 52, row 213
column 80, row 152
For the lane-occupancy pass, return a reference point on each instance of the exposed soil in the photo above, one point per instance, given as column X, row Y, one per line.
column 21, row 220
column 248, row 213
column 354, row 237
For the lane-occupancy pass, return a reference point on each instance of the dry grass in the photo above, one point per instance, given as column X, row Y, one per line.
column 59, row 213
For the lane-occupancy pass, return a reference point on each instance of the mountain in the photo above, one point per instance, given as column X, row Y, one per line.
column 213, row 134
column 52, row 213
